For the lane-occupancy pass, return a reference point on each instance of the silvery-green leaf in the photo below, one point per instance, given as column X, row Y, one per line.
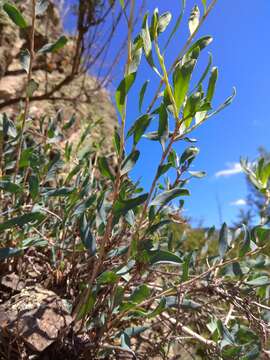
column 194, row 19
column 31, row 87
column 25, row 59
column 41, row 6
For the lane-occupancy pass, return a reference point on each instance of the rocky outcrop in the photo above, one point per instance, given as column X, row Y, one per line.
column 82, row 95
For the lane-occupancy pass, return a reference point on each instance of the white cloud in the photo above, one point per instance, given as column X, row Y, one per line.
column 233, row 169
column 239, row 202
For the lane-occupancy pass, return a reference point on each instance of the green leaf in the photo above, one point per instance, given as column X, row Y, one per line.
column 31, row 87
column 122, row 91
column 107, row 277
column 25, row 59
column 104, row 168
column 9, row 128
column 139, row 127
column 145, row 34
column 147, row 40
column 121, row 207
column 163, row 22
column 197, row 174
column 224, row 333
column 21, row 220
column 189, row 154
column 116, row 141
column 223, row 240
column 259, row 281
column 186, row 265
column 226, row 103
column 136, row 55
column 194, row 19
column 157, row 226
column 202, row 43
column 140, row 294
column 54, row 47
column 10, row 187
column 64, row 191
column 206, row 71
column 162, row 169
column 153, row 135
column 212, row 84
column 246, row 242
column 158, row 310
column 129, row 162
column 122, row 3
column 181, row 79
column 86, row 235
column 168, row 195
column 9, row 252
column 70, row 122
column 154, row 24
column 204, row 2
column 163, row 257
column 191, row 107
column 33, row 186
column 81, row 208
column 142, row 93
column 87, row 306
column 163, row 126
column 261, row 234
column 190, row 304
column 41, row 6
column 265, row 174
column 15, row 15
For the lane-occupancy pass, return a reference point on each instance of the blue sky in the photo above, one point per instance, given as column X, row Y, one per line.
column 241, row 52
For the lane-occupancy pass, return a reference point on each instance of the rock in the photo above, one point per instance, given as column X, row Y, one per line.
column 12, row 281
column 36, row 315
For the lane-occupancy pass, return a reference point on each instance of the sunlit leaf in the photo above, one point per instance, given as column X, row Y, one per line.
column 122, row 91
column 163, row 257
column 140, row 294
column 107, row 277
column 212, row 84
column 164, row 21
column 194, row 19
column 181, row 79
column 15, row 15
column 104, row 168
column 139, row 127
column 121, row 207
column 142, row 93
column 130, row 162
column 168, row 195
column 54, row 47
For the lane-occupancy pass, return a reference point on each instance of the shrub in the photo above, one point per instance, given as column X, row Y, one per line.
column 110, row 248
